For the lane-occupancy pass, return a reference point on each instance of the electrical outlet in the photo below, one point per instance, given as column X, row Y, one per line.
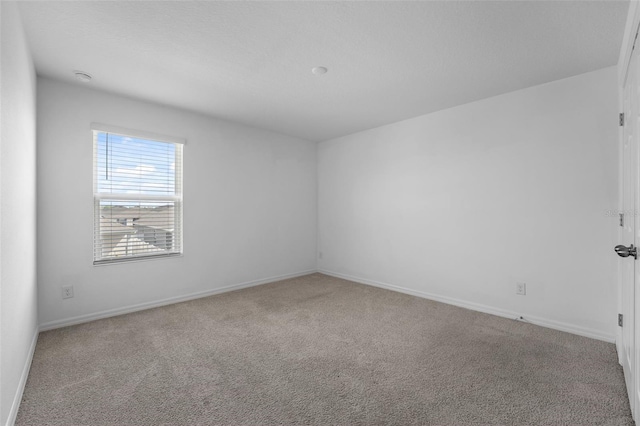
column 67, row 292
column 521, row 289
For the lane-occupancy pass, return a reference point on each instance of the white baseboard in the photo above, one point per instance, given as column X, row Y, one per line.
column 13, row 413
column 556, row 325
column 171, row 300
column 619, row 348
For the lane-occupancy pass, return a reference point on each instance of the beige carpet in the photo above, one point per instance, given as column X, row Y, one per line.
column 320, row 350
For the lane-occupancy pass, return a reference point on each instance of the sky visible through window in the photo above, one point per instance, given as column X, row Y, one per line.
column 128, row 165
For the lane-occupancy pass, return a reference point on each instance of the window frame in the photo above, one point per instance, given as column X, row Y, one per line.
column 177, row 199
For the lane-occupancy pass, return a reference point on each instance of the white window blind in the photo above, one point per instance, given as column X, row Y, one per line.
column 137, row 183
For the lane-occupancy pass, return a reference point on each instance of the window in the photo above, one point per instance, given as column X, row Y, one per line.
column 137, row 186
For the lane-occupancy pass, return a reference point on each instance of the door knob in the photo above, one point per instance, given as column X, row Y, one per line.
column 624, row 251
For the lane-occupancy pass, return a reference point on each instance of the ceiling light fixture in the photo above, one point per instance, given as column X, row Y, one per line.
column 83, row 76
column 319, row 70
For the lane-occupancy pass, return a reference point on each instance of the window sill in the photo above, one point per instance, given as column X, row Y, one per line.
column 135, row 259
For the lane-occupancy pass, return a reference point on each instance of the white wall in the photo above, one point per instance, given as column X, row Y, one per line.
column 18, row 299
column 249, row 205
column 461, row 204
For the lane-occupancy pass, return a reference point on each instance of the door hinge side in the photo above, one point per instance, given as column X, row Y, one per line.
column 622, row 118
column 620, row 320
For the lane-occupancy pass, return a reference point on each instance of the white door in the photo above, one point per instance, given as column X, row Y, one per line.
column 630, row 227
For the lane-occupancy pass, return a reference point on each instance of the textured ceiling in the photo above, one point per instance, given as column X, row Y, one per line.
column 251, row 62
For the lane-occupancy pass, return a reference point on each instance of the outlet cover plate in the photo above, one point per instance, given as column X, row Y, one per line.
column 67, row 292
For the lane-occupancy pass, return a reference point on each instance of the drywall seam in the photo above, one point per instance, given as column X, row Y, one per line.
column 169, row 301
column 543, row 322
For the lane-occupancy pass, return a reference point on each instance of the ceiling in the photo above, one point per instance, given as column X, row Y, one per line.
column 251, row 62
